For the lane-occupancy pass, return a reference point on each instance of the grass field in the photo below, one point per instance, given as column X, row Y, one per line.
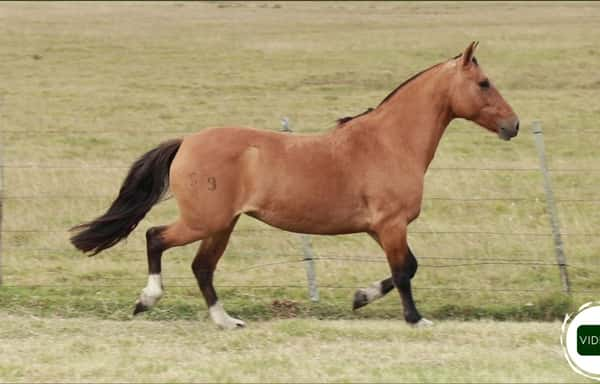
column 89, row 87
column 300, row 350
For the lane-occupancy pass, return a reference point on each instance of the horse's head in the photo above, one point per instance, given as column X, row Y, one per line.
column 474, row 97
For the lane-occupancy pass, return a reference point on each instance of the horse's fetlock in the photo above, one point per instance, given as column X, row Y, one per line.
column 153, row 293
column 412, row 316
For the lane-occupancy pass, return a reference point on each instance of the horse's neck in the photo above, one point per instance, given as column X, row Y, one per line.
column 415, row 118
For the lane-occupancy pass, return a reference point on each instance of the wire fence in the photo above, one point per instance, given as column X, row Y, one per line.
column 291, row 258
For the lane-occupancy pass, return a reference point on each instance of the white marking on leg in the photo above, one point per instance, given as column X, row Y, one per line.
column 153, row 290
column 222, row 319
column 423, row 323
column 372, row 292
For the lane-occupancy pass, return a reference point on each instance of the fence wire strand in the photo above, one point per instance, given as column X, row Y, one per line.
column 300, row 286
column 123, row 166
column 34, row 132
column 434, row 198
column 413, row 232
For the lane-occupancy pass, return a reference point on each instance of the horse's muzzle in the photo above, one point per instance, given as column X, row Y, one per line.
column 508, row 129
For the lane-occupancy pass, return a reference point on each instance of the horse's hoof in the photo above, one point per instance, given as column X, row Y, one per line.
column 139, row 307
column 360, row 299
column 423, row 323
column 222, row 319
column 232, row 323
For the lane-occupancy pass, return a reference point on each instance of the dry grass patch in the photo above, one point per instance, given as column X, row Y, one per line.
column 50, row 350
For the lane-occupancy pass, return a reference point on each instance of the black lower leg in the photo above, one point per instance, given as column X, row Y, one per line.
column 206, row 260
column 413, row 265
column 204, row 276
column 365, row 296
column 385, row 285
column 401, row 280
column 388, row 284
column 154, row 250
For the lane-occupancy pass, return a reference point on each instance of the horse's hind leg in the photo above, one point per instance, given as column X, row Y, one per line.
column 203, row 266
column 158, row 240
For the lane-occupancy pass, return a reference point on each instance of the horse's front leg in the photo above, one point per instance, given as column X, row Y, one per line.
column 392, row 238
column 378, row 289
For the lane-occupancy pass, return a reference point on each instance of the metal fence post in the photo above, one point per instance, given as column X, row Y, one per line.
column 1, row 202
column 309, row 257
column 1, row 191
column 554, row 222
column 309, row 263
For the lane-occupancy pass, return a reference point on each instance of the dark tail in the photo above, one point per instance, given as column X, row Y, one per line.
column 146, row 183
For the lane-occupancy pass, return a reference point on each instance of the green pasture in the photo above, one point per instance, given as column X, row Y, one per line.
column 87, row 88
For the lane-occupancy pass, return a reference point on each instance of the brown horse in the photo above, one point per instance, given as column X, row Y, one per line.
column 365, row 176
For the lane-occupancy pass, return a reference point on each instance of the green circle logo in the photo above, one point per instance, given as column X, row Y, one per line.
column 580, row 340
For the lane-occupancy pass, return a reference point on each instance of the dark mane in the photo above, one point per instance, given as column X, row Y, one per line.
column 346, row 119
column 389, row 96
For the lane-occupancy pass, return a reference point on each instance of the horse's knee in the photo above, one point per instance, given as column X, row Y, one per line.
column 413, row 265
column 401, row 279
column 402, row 274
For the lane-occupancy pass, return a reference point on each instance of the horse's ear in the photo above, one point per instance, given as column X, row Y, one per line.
column 467, row 55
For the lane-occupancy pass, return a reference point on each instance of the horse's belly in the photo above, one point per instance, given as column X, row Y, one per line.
column 314, row 217
column 305, row 194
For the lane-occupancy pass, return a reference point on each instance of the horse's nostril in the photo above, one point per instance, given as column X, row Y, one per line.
column 517, row 127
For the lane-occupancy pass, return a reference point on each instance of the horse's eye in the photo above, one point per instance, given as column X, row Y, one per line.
column 484, row 83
